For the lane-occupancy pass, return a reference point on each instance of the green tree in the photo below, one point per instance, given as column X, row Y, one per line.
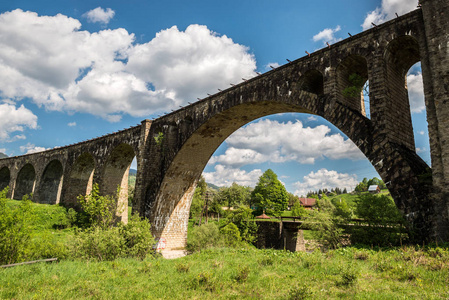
column 383, row 223
column 292, row 199
column 325, row 228
column 298, row 210
column 242, row 218
column 197, row 206
column 15, row 229
column 342, row 208
column 235, row 195
column 376, row 181
column 270, row 194
column 361, row 187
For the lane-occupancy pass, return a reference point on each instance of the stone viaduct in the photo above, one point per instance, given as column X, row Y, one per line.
column 173, row 150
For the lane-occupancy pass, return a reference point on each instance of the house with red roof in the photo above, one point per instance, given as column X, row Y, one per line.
column 308, row 203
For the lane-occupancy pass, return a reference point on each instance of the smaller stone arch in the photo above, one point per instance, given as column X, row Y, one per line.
column 312, row 81
column 352, row 74
column 400, row 55
column 5, row 177
column 79, row 181
column 115, row 175
column 25, row 181
column 51, row 183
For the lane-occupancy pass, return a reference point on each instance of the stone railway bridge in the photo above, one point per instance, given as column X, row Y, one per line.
column 168, row 169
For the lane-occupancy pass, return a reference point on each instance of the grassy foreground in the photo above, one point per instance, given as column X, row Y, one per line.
column 240, row 274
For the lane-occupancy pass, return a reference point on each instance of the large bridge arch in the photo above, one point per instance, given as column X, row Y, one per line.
column 51, row 183
column 214, row 121
column 25, row 181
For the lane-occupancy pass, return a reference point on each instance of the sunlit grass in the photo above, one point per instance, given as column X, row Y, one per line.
column 241, row 274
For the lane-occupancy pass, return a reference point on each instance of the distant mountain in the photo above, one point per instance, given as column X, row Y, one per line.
column 3, row 155
column 212, row 186
column 132, row 172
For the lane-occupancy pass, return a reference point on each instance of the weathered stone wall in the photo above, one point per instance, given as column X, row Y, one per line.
column 280, row 235
column 435, row 68
column 59, row 175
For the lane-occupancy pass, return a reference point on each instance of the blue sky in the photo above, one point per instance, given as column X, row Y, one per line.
column 74, row 70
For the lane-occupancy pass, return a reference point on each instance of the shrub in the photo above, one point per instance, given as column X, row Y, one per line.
column 348, row 275
column 98, row 210
column 15, row 229
column 131, row 240
column 183, row 268
column 298, row 210
column 231, row 234
column 203, row 280
column 383, row 221
column 46, row 245
column 324, row 226
column 204, row 236
column 137, row 237
column 241, row 217
column 301, row 291
column 242, row 274
column 99, row 244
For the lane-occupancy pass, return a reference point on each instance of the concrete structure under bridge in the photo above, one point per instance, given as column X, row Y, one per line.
column 170, row 166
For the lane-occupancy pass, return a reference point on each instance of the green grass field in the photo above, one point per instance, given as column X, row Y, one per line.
column 240, row 274
column 229, row 273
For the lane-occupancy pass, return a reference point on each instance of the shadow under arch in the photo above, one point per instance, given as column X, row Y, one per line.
column 79, row 181
column 5, row 177
column 312, row 81
column 51, row 183
column 25, row 181
column 115, row 175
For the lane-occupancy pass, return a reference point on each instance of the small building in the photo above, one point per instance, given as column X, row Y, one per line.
column 308, row 203
column 374, row 189
column 263, row 216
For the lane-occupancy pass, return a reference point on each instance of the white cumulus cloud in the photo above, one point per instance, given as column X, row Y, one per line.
column 416, row 92
column 99, row 15
column 71, row 124
column 52, row 61
column 31, row 148
column 387, row 11
column 13, row 119
column 271, row 65
column 325, row 179
column 327, row 35
column 225, row 176
column 273, row 141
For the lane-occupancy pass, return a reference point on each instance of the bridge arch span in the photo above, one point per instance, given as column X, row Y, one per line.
column 5, row 177
column 51, row 183
column 184, row 160
column 25, row 181
column 79, row 179
column 115, row 175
